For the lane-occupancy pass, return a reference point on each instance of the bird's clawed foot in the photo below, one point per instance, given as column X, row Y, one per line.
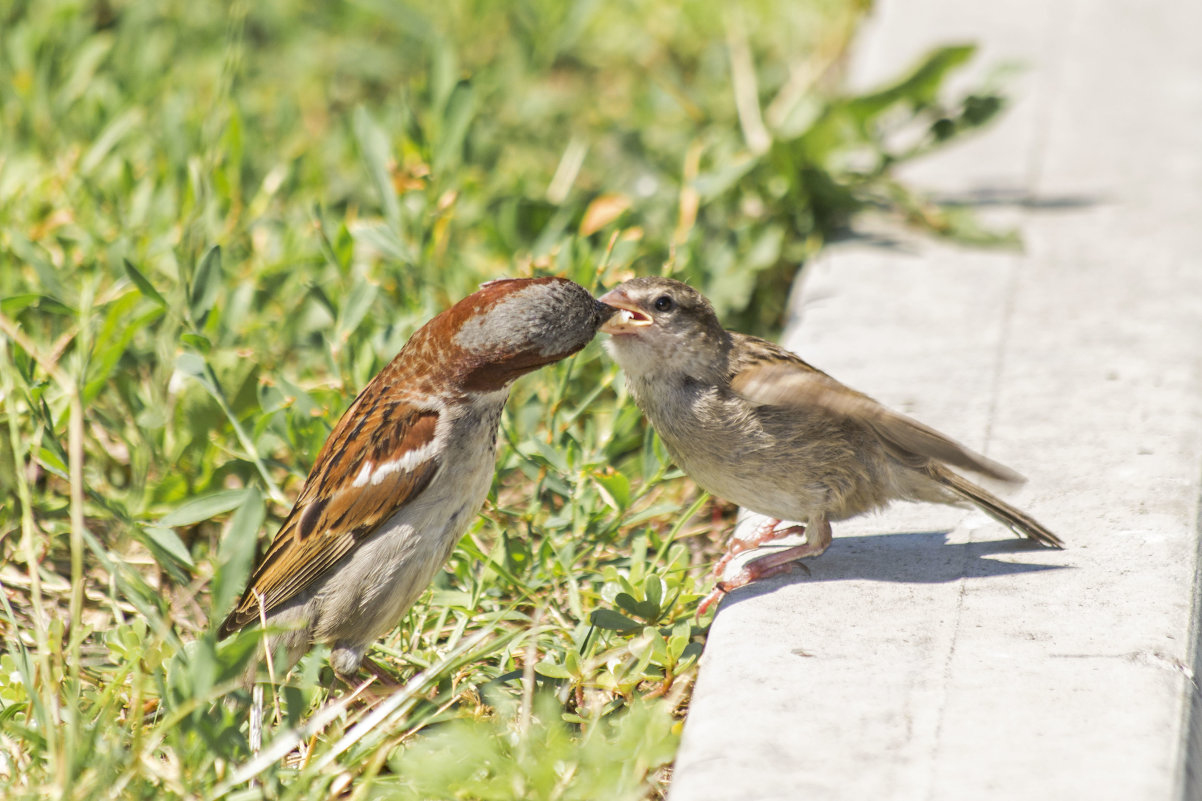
column 765, row 532
column 818, row 539
column 748, row 573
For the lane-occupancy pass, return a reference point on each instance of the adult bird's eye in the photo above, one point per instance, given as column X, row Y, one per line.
column 663, row 303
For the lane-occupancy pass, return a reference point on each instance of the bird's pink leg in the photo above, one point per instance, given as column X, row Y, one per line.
column 764, row 532
column 818, row 539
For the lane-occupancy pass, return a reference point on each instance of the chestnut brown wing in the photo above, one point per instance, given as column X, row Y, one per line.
column 354, row 488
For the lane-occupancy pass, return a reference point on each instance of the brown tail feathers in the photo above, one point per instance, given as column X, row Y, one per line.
column 1014, row 519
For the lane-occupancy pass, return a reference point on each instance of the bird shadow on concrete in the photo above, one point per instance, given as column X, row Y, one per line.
column 906, row 557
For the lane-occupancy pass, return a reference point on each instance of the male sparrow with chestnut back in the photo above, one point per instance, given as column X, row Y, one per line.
column 752, row 423
column 406, row 469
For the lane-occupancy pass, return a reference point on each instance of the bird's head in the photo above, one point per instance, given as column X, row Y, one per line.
column 512, row 326
column 664, row 325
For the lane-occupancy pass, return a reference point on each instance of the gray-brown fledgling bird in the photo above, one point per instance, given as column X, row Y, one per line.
column 753, row 423
column 406, row 469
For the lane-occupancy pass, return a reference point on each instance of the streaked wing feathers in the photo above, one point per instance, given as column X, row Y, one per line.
column 358, row 482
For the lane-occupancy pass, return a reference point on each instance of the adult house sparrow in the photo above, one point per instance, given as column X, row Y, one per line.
column 752, row 423
column 406, row 469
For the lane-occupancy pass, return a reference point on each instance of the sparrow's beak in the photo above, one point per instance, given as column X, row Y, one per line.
column 604, row 311
column 628, row 319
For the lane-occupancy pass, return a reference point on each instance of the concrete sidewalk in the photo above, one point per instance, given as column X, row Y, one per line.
column 931, row 655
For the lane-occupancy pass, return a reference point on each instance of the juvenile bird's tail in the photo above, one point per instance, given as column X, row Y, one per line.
column 1014, row 519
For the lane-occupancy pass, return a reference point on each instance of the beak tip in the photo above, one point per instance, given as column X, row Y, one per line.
column 622, row 316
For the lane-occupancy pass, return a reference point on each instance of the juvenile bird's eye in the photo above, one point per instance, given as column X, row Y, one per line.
column 663, row 303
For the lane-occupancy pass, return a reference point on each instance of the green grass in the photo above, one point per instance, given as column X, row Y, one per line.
column 219, row 220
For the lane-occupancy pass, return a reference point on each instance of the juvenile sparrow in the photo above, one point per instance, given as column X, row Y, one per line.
column 752, row 423
column 406, row 469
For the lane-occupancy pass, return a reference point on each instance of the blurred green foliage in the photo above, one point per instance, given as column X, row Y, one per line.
column 219, row 220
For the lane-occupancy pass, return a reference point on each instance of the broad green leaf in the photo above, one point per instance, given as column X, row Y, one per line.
column 85, row 61
column 113, row 340
column 612, row 621
column 206, row 284
column 376, row 152
column 647, row 610
column 237, row 551
column 355, row 307
column 383, row 238
column 920, row 87
column 552, row 455
column 615, row 489
column 653, row 590
column 458, row 116
column 15, row 303
column 551, row 670
column 143, row 283
column 571, row 661
column 716, row 182
column 451, row 598
column 52, row 460
column 109, row 139
column 192, row 364
column 205, row 507
column 169, row 541
column 198, row 341
column 679, row 639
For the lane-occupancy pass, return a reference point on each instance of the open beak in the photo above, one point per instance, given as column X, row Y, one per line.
column 628, row 319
